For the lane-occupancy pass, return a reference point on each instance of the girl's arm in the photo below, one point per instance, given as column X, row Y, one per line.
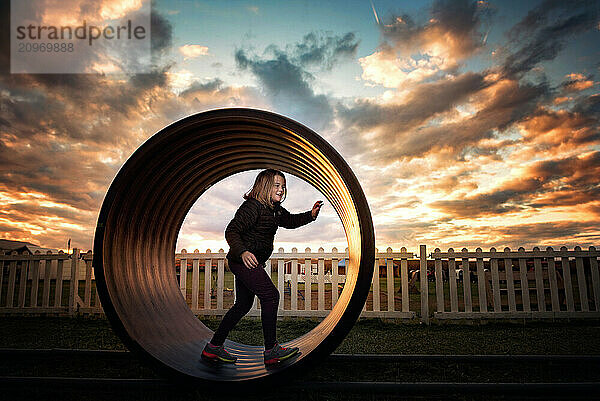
column 288, row 220
column 245, row 217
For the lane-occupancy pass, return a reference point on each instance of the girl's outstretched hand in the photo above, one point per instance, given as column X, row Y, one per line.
column 316, row 208
column 249, row 260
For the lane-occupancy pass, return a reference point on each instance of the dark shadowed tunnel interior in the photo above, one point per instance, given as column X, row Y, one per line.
column 146, row 204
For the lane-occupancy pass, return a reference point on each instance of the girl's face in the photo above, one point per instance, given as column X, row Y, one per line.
column 278, row 188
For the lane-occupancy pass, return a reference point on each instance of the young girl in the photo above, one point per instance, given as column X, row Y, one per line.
column 250, row 237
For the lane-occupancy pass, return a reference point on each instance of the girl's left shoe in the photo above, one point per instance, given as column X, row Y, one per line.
column 215, row 353
column 279, row 353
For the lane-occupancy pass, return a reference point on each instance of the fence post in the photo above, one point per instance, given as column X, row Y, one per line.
column 424, row 284
column 439, row 282
column 183, row 274
column 74, row 287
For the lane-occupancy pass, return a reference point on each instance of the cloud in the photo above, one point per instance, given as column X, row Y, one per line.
column 409, row 130
column 63, row 138
column 214, row 93
column 550, row 183
column 577, row 82
column 560, row 129
column 318, row 49
column 589, row 105
column 287, row 87
column 412, row 52
column 450, row 154
column 285, row 76
column 161, row 35
column 536, row 39
column 555, row 234
column 527, row 235
column 193, row 51
column 421, row 104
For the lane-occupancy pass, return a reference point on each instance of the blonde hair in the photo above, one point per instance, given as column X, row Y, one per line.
column 261, row 190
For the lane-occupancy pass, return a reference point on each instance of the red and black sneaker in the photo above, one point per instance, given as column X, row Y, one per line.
column 279, row 353
column 216, row 353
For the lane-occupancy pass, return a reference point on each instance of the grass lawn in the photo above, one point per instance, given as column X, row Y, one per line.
column 367, row 336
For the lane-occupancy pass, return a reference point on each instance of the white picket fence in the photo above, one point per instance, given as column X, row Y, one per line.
column 291, row 272
column 41, row 283
column 460, row 285
column 517, row 284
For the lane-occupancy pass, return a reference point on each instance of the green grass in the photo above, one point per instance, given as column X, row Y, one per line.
column 367, row 336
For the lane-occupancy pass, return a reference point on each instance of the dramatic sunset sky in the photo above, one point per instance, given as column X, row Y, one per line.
column 467, row 123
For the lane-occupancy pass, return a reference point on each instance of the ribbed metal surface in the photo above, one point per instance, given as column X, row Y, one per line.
column 144, row 209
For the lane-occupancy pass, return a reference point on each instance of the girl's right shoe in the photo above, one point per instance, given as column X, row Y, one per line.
column 215, row 353
column 279, row 353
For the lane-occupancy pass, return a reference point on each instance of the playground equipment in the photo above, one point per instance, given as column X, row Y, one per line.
column 144, row 209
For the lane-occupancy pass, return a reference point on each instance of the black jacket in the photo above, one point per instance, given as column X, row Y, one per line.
column 254, row 226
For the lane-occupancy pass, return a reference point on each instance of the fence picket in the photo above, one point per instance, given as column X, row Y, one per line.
column 59, row 284
column 466, row 282
column 2, row 273
column 481, row 283
column 220, row 282
column 424, row 284
column 495, row 282
column 12, row 275
column 439, row 283
column 183, row 274
column 207, row 282
column 308, row 282
column 74, row 299
column 321, row 281
column 87, row 296
column 335, row 273
column 510, row 283
column 280, row 281
column 539, row 282
column 376, row 305
column 195, row 283
column 524, row 281
column 390, row 282
column 294, row 283
column 581, row 282
column 452, row 279
column 46, row 293
column 23, row 283
column 35, row 281
column 404, row 280
column 566, row 268
column 595, row 279
column 553, row 281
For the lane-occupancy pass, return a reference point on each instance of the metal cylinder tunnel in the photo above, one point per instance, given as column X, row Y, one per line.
column 147, row 202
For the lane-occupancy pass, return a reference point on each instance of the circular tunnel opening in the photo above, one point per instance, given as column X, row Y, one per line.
column 146, row 205
column 210, row 293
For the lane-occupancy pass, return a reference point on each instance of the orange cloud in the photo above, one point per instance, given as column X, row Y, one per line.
column 579, row 85
column 561, row 99
column 562, row 127
column 412, row 53
column 577, row 82
column 193, row 51
column 58, row 12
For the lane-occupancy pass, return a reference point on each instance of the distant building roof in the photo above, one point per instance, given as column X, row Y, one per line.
column 20, row 246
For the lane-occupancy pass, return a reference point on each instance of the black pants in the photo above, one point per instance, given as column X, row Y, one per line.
column 248, row 283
